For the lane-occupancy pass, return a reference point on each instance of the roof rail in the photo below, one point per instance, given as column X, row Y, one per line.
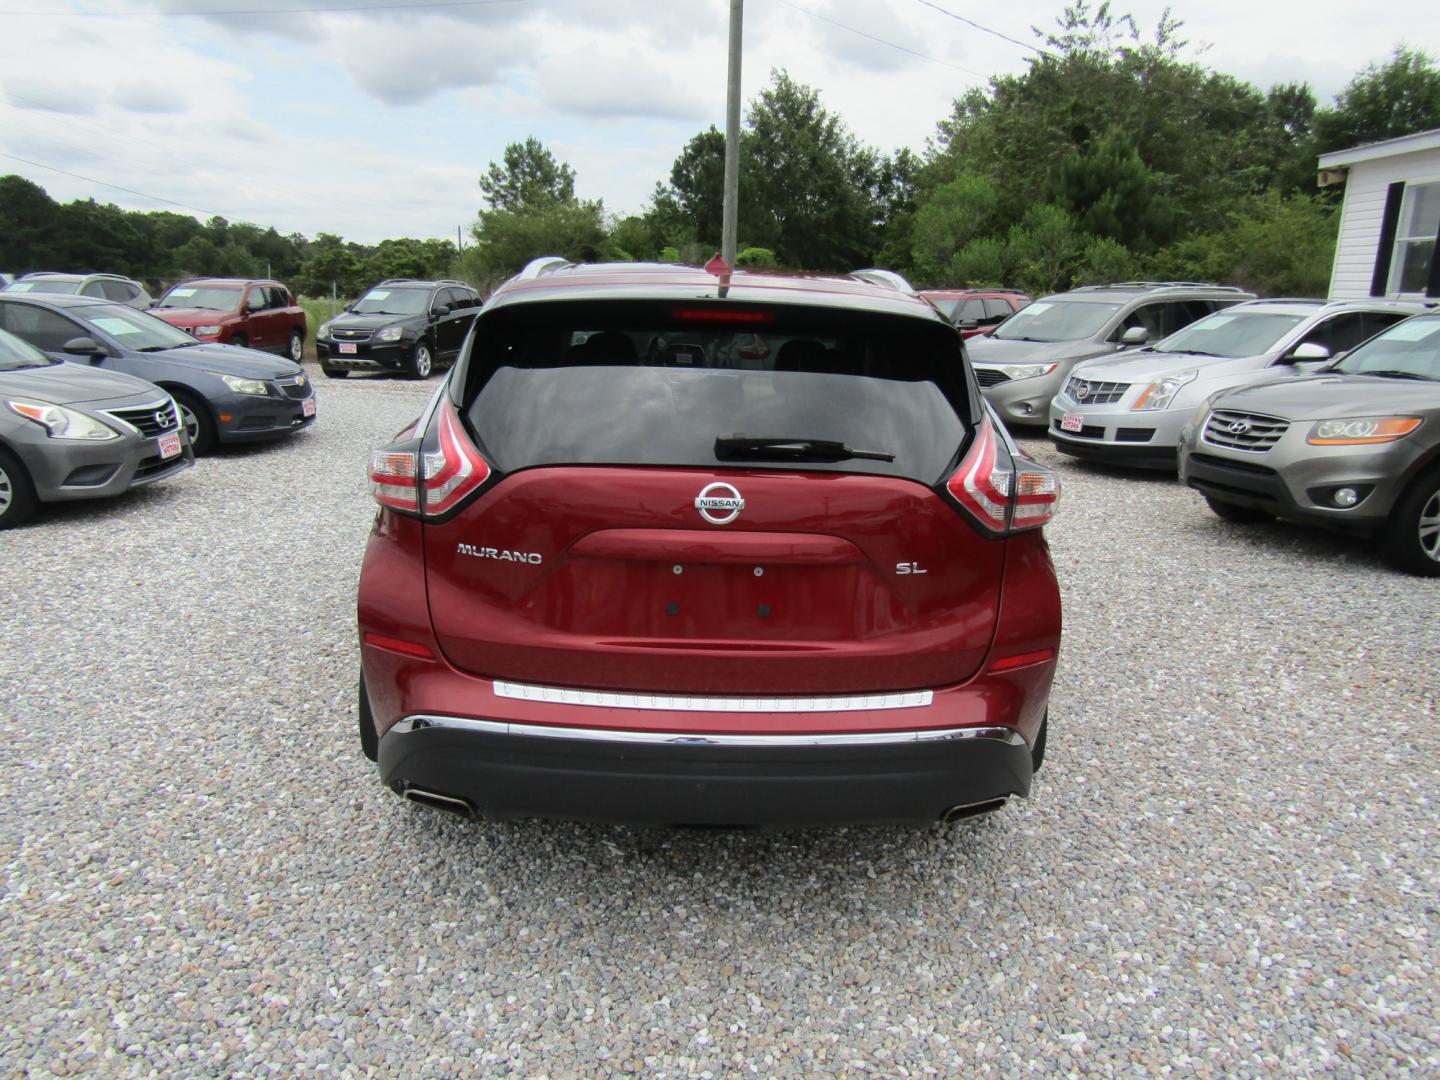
column 1160, row 285
column 544, row 265
column 885, row 278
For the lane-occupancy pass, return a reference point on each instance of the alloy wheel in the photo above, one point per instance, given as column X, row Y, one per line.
column 7, row 490
column 191, row 422
column 1429, row 527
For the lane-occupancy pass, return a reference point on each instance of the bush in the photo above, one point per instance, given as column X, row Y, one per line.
column 757, row 258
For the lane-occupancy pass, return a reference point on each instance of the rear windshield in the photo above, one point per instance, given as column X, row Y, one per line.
column 648, row 384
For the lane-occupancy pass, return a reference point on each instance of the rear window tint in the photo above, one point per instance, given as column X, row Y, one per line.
column 647, row 384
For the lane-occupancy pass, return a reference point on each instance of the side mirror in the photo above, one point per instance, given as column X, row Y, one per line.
column 1307, row 351
column 85, row 346
column 442, row 309
column 969, row 324
column 1136, row 335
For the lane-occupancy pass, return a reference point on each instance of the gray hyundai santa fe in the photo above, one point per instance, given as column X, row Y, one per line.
column 1355, row 447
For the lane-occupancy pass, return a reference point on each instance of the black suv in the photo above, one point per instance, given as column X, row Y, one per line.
column 400, row 324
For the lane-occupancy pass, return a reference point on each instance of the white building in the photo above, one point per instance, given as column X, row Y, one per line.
column 1390, row 219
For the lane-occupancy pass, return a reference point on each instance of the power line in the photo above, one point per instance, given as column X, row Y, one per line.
column 879, row 40
column 419, row 4
column 996, row 33
column 116, row 187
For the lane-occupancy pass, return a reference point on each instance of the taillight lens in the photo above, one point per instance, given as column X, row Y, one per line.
column 1003, row 493
column 405, row 477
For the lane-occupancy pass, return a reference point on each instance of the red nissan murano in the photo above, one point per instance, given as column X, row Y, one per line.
column 630, row 566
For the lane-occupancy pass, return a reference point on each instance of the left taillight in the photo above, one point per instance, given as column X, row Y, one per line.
column 1002, row 492
column 429, row 477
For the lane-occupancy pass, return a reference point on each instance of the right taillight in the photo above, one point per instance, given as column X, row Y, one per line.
column 414, row 478
column 1002, row 492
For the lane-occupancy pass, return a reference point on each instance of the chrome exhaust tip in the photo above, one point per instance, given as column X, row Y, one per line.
column 971, row 810
column 436, row 801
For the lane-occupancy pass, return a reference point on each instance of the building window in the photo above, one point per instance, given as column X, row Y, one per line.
column 1415, row 239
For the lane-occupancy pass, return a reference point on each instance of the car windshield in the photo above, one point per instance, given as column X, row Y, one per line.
column 132, row 329
column 1232, row 334
column 637, row 384
column 50, row 285
column 218, row 297
column 1407, row 350
column 393, row 302
column 16, row 354
column 1056, row 320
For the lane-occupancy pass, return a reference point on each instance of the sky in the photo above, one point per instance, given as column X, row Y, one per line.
column 377, row 123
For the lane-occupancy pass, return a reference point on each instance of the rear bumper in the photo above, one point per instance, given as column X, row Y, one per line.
column 499, row 770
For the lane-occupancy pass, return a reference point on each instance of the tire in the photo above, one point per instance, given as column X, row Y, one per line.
column 334, row 372
column 422, row 361
column 296, row 349
column 1237, row 515
column 17, row 493
column 241, row 341
column 369, row 741
column 1412, row 534
column 199, row 424
column 1037, row 752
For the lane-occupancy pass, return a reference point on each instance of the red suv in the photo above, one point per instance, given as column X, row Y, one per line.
column 629, row 568
column 975, row 311
column 236, row 311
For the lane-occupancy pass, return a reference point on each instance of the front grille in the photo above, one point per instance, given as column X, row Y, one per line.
column 152, row 468
column 1134, row 434
column 1088, row 392
column 150, row 420
column 990, row 377
column 1253, row 432
column 351, row 335
column 295, row 387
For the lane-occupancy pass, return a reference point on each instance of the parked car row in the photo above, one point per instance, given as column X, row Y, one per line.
column 251, row 313
column 1261, row 403
column 75, row 364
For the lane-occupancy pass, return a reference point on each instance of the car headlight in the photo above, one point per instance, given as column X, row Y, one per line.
column 1027, row 371
column 62, row 423
column 206, row 330
column 256, row 387
column 1159, row 394
column 1361, row 430
column 324, row 330
column 390, row 333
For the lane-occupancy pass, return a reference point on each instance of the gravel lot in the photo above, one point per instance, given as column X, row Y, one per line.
column 1228, row 866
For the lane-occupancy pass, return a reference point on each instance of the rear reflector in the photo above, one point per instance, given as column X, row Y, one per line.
column 399, row 645
column 1010, row 663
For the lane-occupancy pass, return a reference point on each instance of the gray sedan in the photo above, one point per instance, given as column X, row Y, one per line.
column 1355, row 447
column 69, row 432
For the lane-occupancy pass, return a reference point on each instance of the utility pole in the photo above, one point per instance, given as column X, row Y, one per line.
column 728, row 227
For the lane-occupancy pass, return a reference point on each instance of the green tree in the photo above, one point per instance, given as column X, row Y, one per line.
column 27, row 223
column 1044, row 249
column 955, row 214
column 1112, row 193
column 1399, row 97
column 330, row 263
column 529, row 178
column 506, row 240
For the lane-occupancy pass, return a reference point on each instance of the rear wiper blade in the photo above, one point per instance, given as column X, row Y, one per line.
column 787, row 448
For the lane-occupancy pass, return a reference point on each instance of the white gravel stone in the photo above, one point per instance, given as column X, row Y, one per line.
column 1227, row 868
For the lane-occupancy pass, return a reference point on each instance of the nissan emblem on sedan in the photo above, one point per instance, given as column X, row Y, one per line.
column 719, row 503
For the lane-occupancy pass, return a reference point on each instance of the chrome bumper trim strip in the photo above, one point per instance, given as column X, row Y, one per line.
column 680, row 738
